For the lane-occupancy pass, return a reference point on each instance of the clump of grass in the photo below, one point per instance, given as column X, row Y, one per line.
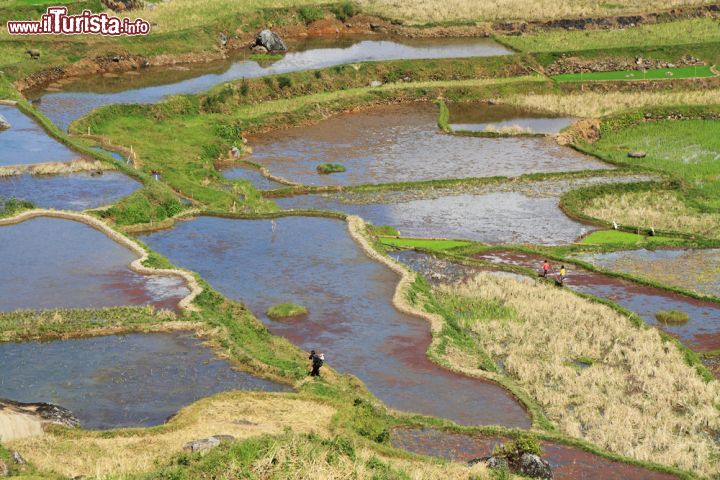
column 9, row 206
column 514, row 449
column 328, row 168
column 345, row 10
column 266, row 57
column 309, row 14
column 672, row 317
column 284, row 311
column 384, row 230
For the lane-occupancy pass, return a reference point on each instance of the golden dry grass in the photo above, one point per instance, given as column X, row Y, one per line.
column 597, row 104
column 659, row 210
column 240, row 414
column 180, row 14
column 422, row 11
column 300, row 459
column 638, row 398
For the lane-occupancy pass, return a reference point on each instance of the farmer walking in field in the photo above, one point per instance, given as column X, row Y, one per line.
column 317, row 360
column 545, row 268
column 563, row 272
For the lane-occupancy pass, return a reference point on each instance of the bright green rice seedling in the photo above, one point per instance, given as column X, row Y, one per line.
column 286, row 310
column 652, row 74
column 327, row 168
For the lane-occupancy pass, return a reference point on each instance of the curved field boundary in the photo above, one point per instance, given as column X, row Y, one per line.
column 357, row 228
column 56, row 168
column 136, row 265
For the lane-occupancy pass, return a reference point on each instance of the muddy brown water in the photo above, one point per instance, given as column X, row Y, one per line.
column 401, row 143
column 499, row 217
column 56, row 263
column 152, row 85
column 482, row 116
column 77, row 191
column 25, row 142
column 567, row 463
column 701, row 333
column 697, row 270
column 134, row 380
column 314, row 262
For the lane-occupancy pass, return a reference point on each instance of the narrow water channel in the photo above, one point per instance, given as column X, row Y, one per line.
column 135, row 380
column 313, row 262
column 79, row 98
column 55, row 263
column 486, row 117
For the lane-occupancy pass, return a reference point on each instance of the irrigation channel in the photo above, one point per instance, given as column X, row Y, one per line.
column 307, row 260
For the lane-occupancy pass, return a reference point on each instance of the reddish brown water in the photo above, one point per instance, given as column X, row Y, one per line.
column 314, row 262
column 54, row 263
column 400, row 143
column 701, row 333
column 568, row 463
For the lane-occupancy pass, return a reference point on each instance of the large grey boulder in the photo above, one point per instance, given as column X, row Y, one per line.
column 205, row 444
column 270, row 40
column 4, row 124
column 531, row 465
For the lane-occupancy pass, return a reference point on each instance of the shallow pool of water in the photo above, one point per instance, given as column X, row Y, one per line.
column 78, row 191
column 314, row 262
column 697, row 270
column 482, row 116
column 79, row 99
column 25, row 142
column 55, row 263
column 702, row 332
column 501, row 217
column 133, row 380
column 401, row 143
column 253, row 176
column 567, row 463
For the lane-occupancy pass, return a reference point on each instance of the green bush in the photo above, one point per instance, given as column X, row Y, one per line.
column 345, row 10
column 672, row 317
column 327, row 168
column 311, row 14
column 514, row 449
column 284, row 82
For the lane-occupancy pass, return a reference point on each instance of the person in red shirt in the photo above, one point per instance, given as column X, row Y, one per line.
column 545, row 268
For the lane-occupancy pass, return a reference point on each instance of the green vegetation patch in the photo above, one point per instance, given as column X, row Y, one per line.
column 672, row 317
column 425, row 244
column 10, row 206
column 328, row 168
column 617, row 237
column 651, row 74
column 153, row 203
column 286, row 310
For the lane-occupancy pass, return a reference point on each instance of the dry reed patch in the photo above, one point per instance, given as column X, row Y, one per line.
column 638, row 398
column 55, row 168
column 659, row 210
column 240, row 414
column 597, row 104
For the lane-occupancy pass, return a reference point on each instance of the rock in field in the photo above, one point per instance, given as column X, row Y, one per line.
column 209, row 443
column 531, row 465
column 270, row 40
column 637, row 154
column 4, row 124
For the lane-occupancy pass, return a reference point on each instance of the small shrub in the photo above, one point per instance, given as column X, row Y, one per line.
column 284, row 82
column 345, row 10
column 318, row 74
column 513, row 450
column 311, row 14
column 286, row 310
column 270, row 82
column 12, row 205
column 672, row 317
column 328, row 168
column 244, row 87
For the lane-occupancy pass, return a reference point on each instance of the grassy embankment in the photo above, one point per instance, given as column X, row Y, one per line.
column 633, row 376
column 685, row 149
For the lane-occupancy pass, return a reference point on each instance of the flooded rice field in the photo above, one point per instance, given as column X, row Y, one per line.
column 25, row 142
column 500, row 217
column 440, row 271
column 254, row 176
column 115, row 381
column 486, row 117
column 697, row 270
column 401, row 143
column 313, row 262
column 701, row 332
column 80, row 97
column 567, row 463
column 77, row 191
column 55, row 263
